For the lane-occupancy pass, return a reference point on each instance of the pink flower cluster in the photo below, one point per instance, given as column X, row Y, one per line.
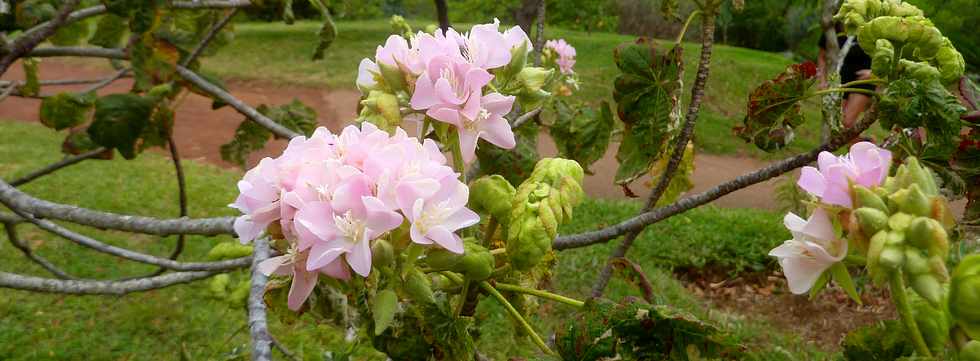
column 332, row 195
column 448, row 72
column 565, row 52
column 866, row 164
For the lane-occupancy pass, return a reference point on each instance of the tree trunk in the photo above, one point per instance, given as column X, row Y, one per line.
column 443, row 13
column 525, row 15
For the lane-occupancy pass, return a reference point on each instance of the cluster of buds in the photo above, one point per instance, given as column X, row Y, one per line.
column 964, row 296
column 542, row 202
column 902, row 226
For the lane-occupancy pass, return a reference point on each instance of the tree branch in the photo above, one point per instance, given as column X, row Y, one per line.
column 25, row 43
column 72, row 17
column 17, row 200
column 26, row 250
column 687, row 203
column 106, row 81
column 524, row 118
column 261, row 340
column 124, row 253
column 539, row 36
column 211, row 4
column 53, row 167
column 208, row 37
column 75, row 51
column 680, row 144
column 88, row 287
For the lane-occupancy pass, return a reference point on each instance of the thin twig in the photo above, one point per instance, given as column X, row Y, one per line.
column 106, row 81
column 89, row 287
column 524, row 118
column 687, row 203
column 677, row 153
column 6, row 92
column 131, row 255
column 259, row 331
column 25, row 43
column 208, row 37
column 72, row 17
column 182, row 200
column 53, row 167
column 76, row 51
column 282, row 349
column 17, row 200
column 26, row 250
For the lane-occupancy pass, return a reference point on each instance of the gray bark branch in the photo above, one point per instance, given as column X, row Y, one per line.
column 258, row 329
column 15, row 240
column 677, row 153
column 53, row 167
column 88, row 287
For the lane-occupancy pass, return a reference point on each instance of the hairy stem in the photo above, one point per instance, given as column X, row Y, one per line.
column 517, row 317
column 900, row 296
column 539, row 293
column 680, row 36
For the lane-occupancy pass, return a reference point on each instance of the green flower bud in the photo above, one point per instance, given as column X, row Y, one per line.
column 518, row 60
column 527, row 242
column 239, row 295
column 533, row 79
column 892, row 257
column 867, row 198
column 492, row 194
column 895, row 239
column 218, row 286
column 382, row 109
column 964, row 295
column 393, row 77
column 915, row 262
column 475, row 264
column 912, row 201
column 900, row 221
column 937, row 266
column 875, row 246
column 400, row 26
column 928, row 234
column 382, row 253
column 970, row 351
column 882, row 58
column 933, row 324
column 418, row 286
column 927, row 286
column 871, row 220
column 917, row 174
column 229, row 250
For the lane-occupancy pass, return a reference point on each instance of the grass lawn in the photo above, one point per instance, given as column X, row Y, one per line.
column 183, row 322
column 280, row 53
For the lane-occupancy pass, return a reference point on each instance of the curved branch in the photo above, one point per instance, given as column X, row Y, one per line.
column 76, row 51
column 259, row 332
column 524, row 118
column 87, row 287
column 677, row 153
column 208, row 37
column 25, row 43
column 67, row 161
column 240, row 106
column 72, row 17
column 120, row 252
column 17, row 200
column 106, row 81
column 26, row 250
column 687, row 203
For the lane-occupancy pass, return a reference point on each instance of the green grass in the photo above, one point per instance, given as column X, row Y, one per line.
column 280, row 53
column 163, row 324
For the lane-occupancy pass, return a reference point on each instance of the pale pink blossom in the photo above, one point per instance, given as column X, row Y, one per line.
column 449, row 87
column 435, row 220
column 367, row 73
column 258, row 200
column 294, row 264
column 813, row 249
column 565, row 52
column 486, row 47
column 489, row 124
column 866, row 164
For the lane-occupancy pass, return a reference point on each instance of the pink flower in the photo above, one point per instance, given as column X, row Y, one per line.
column 435, row 220
column 866, row 164
column 489, row 124
column 367, row 73
column 565, row 52
column 486, row 47
column 294, row 264
column 813, row 249
column 448, row 87
column 258, row 199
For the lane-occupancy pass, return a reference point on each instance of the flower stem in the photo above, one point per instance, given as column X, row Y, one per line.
column 900, row 296
column 517, row 316
column 539, row 293
column 491, row 228
column 863, row 81
column 680, row 36
column 843, row 89
column 458, row 164
column 462, row 298
column 425, row 128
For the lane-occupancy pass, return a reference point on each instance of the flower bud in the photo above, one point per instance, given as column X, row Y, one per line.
column 964, row 295
column 915, row 262
column 892, row 257
column 533, row 79
column 527, row 241
column 418, row 286
column 475, row 263
column 927, row 286
column 382, row 253
column 492, row 194
column 933, row 324
column 900, row 221
column 912, row 201
column 871, row 220
column 382, row 109
column 875, row 246
column 393, row 77
column 867, row 198
column 917, row 174
column 928, row 234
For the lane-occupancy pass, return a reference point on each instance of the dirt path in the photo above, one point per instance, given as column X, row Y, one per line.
column 201, row 131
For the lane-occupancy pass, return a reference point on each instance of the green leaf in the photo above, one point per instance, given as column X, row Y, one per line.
column 820, row 284
column 119, row 122
column 109, row 32
column 910, row 103
column 581, row 133
column 249, row 137
column 383, row 310
column 327, row 34
column 683, row 179
column 774, row 108
column 32, row 12
column 32, row 86
column 296, row 116
column 154, row 62
column 843, row 279
column 158, row 131
column 70, row 34
column 78, row 141
column 648, row 94
column 66, row 110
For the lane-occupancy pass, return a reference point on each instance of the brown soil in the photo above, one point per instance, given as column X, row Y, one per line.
column 201, row 131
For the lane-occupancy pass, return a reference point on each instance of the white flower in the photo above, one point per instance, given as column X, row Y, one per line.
column 813, row 249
